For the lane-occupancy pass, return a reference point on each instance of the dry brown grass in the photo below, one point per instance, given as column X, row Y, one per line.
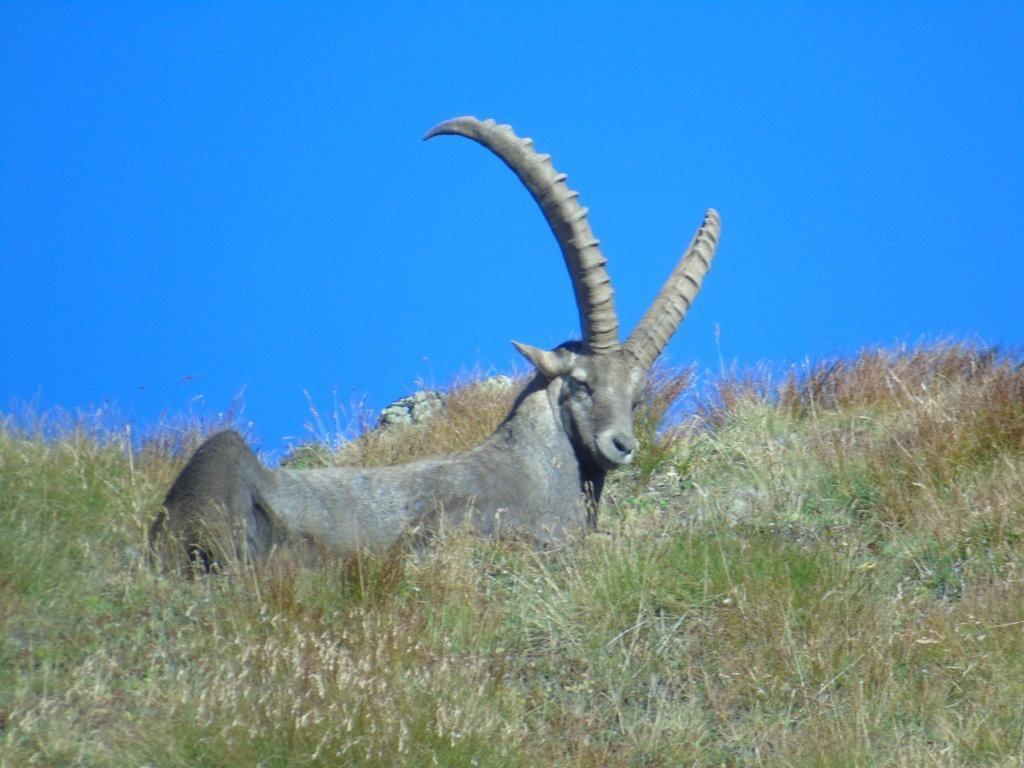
column 473, row 409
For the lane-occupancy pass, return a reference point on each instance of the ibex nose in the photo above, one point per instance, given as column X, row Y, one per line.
column 619, row 447
column 615, row 448
column 624, row 444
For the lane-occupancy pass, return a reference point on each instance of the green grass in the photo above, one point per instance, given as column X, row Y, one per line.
column 823, row 571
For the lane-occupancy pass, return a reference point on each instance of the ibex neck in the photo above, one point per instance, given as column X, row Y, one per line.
column 536, row 432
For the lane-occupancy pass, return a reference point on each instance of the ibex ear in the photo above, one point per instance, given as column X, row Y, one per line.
column 550, row 364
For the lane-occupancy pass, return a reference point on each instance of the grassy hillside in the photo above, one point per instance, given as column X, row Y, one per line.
column 824, row 570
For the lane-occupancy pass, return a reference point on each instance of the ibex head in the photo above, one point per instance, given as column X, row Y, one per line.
column 595, row 383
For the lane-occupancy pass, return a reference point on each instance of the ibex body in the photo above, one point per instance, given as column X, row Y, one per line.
column 539, row 475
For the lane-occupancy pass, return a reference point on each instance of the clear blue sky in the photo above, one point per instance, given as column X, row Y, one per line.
column 200, row 199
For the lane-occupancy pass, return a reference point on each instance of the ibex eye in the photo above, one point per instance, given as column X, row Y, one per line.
column 579, row 383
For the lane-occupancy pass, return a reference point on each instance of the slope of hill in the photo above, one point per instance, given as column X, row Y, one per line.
column 823, row 570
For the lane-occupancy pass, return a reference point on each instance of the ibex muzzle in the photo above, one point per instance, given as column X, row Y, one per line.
column 539, row 475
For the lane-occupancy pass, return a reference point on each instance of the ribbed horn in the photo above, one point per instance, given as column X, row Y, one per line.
column 595, row 298
column 668, row 310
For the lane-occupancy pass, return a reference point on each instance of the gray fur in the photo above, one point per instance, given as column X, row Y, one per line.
column 538, row 476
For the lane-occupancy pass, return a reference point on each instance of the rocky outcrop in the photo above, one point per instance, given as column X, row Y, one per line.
column 414, row 409
column 425, row 404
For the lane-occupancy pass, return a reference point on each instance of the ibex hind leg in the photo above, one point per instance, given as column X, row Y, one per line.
column 215, row 513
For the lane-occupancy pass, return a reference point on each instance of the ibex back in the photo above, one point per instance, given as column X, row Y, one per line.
column 539, row 475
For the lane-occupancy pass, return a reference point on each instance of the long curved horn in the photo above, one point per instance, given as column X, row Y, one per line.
column 595, row 298
column 668, row 310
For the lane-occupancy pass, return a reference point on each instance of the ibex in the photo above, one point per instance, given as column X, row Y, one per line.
column 538, row 476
